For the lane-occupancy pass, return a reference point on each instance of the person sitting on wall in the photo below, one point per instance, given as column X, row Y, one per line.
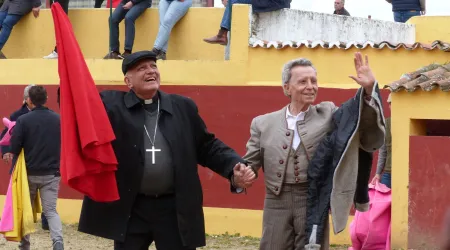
column 65, row 6
column 258, row 6
column 130, row 10
column 10, row 14
column 170, row 12
column 405, row 9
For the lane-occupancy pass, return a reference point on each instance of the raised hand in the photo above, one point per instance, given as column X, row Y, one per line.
column 364, row 75
column 243, row 176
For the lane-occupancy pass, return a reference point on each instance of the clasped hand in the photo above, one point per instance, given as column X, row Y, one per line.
column 243, row 175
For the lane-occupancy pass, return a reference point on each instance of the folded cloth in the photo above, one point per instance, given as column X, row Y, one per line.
column 88, row 162
column 23, row 211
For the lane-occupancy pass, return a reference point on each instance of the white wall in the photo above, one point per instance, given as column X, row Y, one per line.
column 298, row 25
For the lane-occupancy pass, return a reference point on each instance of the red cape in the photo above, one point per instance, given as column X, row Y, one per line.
column 88, row 162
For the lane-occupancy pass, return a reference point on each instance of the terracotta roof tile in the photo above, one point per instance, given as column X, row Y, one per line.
column 341, row 45
column 427, row 78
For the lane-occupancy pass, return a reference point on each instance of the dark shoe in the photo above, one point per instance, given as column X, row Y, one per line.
column 221, row 38
column 113, row 55
column 160, row 55
column 125, row 54
column 2, row 56
column 58, row 245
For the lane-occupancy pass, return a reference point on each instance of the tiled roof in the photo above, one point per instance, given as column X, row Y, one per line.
column 341, row 45
column 427, row 78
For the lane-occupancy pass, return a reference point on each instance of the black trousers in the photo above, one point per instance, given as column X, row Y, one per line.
column 152, row 220
column 64, row 5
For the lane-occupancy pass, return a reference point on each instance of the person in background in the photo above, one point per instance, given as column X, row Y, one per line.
column 384, row 157
column 170, row 12
column 6, row 152
column 258, row 6
column 10, row 14
column 225, row 26
column 339, row 8
column 129, row 10
column 405, row 9
column 65, row 6
column 38, row 133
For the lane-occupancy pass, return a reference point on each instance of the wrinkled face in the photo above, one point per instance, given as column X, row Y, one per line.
column 338, row 4
column 302, row 87
column 143, row 78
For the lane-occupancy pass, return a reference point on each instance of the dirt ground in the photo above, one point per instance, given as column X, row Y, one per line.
column 79, row 241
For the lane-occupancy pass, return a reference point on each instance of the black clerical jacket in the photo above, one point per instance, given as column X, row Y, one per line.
column 190, row 144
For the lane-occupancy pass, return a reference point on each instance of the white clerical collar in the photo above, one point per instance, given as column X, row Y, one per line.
column 149, row 101
column 299, row 115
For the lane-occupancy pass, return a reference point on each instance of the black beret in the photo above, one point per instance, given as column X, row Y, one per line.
column 130, row 60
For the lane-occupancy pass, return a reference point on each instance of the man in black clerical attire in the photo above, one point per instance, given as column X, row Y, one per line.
column 160, row 139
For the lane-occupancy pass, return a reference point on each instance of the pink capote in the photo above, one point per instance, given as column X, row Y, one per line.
column 7, row 219
column 371, row 230
column 7, row 137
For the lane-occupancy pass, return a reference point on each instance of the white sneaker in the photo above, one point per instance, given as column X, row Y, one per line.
column 53, row 55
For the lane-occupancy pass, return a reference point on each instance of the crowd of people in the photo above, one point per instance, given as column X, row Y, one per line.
column 170, row 12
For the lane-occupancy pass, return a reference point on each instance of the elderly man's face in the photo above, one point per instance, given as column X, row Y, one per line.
column 302, row 87
column 143, row 78
column 338, row 4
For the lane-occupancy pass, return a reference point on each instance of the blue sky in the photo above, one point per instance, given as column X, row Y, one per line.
column 379, row 9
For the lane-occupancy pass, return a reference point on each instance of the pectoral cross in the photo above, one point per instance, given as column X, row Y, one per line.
column 153, row 150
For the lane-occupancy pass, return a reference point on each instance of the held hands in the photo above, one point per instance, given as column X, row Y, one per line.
column 364, row 75
column 376, row 179
column 243, row 176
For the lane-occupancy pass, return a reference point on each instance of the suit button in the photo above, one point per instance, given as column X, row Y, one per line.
column 295, row 162
column 281, row 161
column 288, row 133
column 296, row 173
column 276, row 188
column 278, row 174
column 284, row 147
column 296, row 168
column 129, row 190
column 297, row 179
column 134, row 146
column 295, row 157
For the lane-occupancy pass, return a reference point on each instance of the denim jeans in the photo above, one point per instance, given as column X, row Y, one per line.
column 170, row 12
column 7, row 23
column 404, row 16
column 48, row 186
column 386, row 179
column 226, row 19
column 130, row 17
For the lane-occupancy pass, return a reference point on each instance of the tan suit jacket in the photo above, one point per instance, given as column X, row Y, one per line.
column 270, row 136
column 269, row 133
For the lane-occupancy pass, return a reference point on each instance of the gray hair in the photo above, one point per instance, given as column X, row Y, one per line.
column 287, row 68
column 26, row 92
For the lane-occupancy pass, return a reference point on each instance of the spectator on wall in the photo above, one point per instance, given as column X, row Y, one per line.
column 65, row 6
column 10, row 14
column 129, row 10
column 405, row 9
column 170, row 12
column 339, row 8
column 258, row 6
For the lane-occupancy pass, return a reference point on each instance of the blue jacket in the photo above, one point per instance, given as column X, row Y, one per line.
column 406, row 5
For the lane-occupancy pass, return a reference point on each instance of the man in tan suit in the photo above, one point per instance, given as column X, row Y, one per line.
column 283, row 143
